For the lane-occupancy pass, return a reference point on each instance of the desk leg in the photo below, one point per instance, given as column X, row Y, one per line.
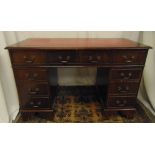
column 129, row 114
column 26, row 116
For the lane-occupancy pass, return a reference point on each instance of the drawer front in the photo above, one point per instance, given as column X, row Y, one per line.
column 28, row 57
column 31, row 74
column 95, row 57
column 33, row 88
column 125, row 57
column 123, row 88
column 63, row 57
column 36, row 103
column 121, row 101
column 125, row 74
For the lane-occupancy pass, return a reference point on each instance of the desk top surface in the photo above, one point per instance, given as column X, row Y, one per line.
column 77, row 43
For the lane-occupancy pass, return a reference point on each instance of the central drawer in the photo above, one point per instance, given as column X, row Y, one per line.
column 94, row 57
column 62, row 57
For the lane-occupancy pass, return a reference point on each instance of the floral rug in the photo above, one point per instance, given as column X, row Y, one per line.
column 72, row 107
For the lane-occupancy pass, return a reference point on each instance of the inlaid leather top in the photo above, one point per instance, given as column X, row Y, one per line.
column 65, row 43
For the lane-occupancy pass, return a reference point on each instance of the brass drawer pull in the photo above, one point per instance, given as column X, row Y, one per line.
column 29, row 60
column 121, row 104
column 64, row 60
column 34, row 92
column 94, row 60
column 123, row 90
column 31, row 76
column 35, row 106
column 126, row 76
column 128, row 59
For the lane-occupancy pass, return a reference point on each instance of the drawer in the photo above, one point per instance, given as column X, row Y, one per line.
column 123, row 88
column 33, row 88
column 121, row 101
column 125, row 74
column 28, row 57
column 127, row 57
column 31, row 74
column 94, row 57
column 63, row 57
column 36, row 103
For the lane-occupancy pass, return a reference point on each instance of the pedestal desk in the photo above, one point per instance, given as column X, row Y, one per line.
column 119, row 61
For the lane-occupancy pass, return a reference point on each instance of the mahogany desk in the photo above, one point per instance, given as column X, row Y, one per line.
column 121, row 60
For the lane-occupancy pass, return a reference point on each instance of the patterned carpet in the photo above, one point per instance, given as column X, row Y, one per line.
column 83, row 108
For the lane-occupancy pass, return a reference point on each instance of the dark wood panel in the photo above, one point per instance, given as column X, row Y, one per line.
column 95, row 57
column 36, row 103
column 126, row 74
column 121, row 101
column 62, row 57
column 33, row 88
column 28, row 57
column 31, row 74
column 129, row 57
column 123, row 88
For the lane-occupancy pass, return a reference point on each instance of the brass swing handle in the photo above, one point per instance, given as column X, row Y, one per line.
column 64, row 60
column 31, row 76
column 34, row 92
column 128, row 76
column 121, row 103
column 94, row 60
column 35, row 105
column 123, row 90
column 128, row 59
column 29, row 59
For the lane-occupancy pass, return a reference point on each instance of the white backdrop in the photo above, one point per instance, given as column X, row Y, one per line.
column 9, row 105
